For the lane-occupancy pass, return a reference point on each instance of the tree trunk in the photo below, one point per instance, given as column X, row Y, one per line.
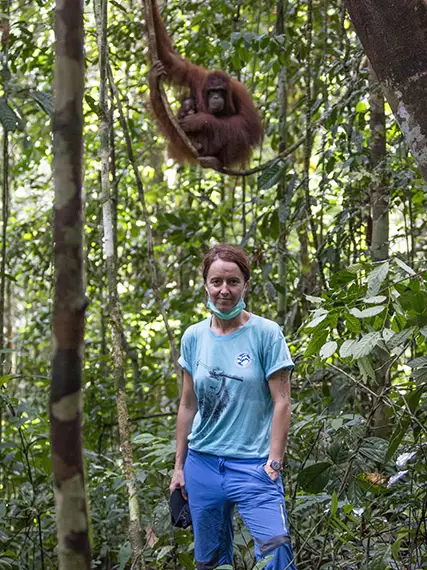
column 118, row 349
column 3, row 263
column 5, row 209
column 65, row 406
column 5, row 219
column 308, row 142
column 380, row 194
column 394, row 36
column 379, row 200
column 282, row 194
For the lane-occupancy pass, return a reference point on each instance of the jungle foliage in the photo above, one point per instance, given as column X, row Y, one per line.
column 355, row 471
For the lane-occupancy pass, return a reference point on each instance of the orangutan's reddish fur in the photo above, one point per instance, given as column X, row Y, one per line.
column 230, row 136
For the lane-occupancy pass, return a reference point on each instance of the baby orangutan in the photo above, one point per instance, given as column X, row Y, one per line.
column 188, row 107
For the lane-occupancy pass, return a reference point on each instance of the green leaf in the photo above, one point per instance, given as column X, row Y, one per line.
column 395, row 549
column 347, row 508
column 186, row 560
column 10, row 277
column 396, row 439
column 342, row 278
column 346, row 349
column 380, row 560
column 271, row 175
column 5, row 379
column 420, row 374
column 366, row 344
column 316, row 321
column 270, row 226
column 145, row 438
column 373, row 449
column 376, row 278
column 418, row 362
column 306, row 502
column 140, row 476
column 44, row 100
column 338, row 451
column 414, row 301
column 334, row 504
column 235, row 61
column 243, row 54
column 403, row 266
column 375, row 300
column 328, row 349
column 262, row 563
column 124, row 555
column 400, row 338
column 314, row 478
column 315, row 300
column 8, row 118
column 366, row 369
column 371, row 312
column 318, row 340
column 164, row 551
column 340, row 525
column 413, row 399
column 353, row 324
column 355, row 268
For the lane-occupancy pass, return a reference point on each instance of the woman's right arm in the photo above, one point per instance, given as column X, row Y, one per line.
column 186, row 412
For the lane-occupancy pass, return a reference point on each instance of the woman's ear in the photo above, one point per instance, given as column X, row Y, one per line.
column 246, row 289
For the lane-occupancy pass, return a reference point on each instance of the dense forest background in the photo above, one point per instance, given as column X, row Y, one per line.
column 336, row 230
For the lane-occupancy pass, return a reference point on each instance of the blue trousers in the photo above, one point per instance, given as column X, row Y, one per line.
column 214, row 486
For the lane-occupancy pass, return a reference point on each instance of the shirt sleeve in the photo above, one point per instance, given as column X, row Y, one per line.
column 276, row 353
column 186, row 358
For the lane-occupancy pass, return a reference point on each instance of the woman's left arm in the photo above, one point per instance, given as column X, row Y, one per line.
column 280, row 389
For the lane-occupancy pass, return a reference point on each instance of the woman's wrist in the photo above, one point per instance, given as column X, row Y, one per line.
column 272, row 473
column 275, row 463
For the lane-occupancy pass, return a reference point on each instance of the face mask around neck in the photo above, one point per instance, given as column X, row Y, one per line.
column 234, row 312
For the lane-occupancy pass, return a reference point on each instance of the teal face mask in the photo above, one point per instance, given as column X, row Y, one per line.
column 234, row 312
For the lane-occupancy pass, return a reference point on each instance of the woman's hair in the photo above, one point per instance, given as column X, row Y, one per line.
column 227, row 252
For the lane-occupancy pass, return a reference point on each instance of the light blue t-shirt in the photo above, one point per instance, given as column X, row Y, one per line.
column 230, row 375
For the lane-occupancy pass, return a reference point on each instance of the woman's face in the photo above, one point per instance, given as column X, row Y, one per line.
column 225, row 284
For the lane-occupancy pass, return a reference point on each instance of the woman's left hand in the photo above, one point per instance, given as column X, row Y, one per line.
column 271, row 472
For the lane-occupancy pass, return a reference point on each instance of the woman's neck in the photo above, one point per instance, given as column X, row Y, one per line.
column 221, row 327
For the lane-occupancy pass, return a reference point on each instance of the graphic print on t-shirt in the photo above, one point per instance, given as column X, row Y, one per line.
column 243, row 359
column 216, row 397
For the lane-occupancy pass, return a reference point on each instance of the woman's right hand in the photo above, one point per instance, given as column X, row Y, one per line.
column 178, row 482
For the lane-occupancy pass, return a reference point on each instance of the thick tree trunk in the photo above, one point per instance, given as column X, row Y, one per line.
column 394, row 35
column 65, row 405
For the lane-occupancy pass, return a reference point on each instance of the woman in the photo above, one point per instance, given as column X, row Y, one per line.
column 233, row 420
